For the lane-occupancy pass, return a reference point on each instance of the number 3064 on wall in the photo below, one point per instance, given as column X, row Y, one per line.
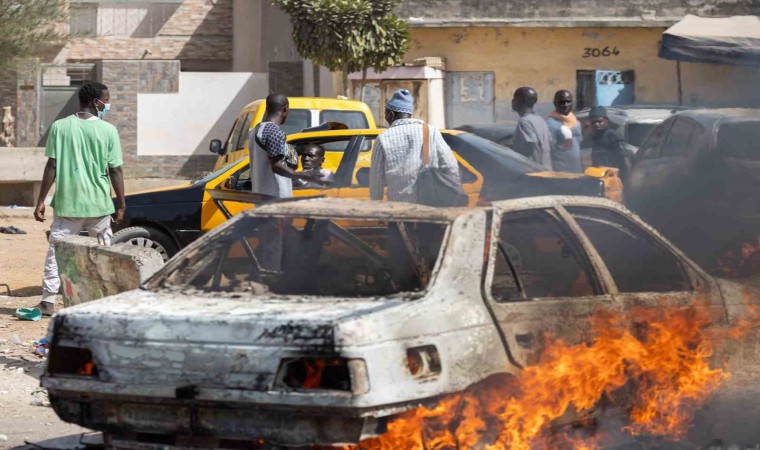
column 590, row 52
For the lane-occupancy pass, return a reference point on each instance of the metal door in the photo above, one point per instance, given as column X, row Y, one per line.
column 60, row 85
column 469, row 98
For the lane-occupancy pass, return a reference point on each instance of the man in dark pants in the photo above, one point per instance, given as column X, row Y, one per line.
column 607, row 148
column 532, row 138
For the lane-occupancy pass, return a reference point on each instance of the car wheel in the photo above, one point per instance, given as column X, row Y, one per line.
column 147, row 237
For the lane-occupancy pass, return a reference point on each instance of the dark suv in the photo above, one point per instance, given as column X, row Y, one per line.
column 697, row 178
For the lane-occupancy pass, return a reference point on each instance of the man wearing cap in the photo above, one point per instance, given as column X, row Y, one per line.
column 607, row 148
column 397, row 156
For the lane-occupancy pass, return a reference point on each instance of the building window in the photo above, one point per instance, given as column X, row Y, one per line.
column 136, row 20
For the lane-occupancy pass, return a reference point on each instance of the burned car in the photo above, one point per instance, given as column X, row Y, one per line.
column 315, row 322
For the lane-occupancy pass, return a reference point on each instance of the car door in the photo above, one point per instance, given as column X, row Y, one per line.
column 228, row 202
column 541, row 284
column 647, row 271
column 643, row 181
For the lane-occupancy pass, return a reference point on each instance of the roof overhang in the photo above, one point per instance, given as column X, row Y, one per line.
column 545, row 22
column 724, row 40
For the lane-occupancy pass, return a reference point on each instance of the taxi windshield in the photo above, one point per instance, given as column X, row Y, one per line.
column 311, row 256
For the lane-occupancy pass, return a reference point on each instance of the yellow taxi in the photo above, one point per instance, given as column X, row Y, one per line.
column 305, row 112
column 168, row 219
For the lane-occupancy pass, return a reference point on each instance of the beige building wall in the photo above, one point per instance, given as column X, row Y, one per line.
column 548, row 58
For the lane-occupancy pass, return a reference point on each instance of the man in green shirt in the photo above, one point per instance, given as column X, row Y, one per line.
column 84, row 161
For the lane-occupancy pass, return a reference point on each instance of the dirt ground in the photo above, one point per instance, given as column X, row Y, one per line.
column 25, row 415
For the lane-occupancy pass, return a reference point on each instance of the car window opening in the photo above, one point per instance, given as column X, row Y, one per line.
column 537, row 258
column 314, row 256
column 635, row 259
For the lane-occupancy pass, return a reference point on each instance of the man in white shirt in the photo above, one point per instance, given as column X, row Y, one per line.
column 397, row 156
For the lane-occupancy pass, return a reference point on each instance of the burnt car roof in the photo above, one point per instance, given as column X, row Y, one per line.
column 352, row 208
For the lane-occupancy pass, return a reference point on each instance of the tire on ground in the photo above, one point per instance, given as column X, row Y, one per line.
column 145, row 236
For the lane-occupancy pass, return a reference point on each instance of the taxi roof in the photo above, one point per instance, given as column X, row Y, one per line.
column 316, row 103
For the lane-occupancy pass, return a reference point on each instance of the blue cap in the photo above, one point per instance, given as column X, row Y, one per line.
column 401, row 101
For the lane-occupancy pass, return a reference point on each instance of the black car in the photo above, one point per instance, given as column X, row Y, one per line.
column 697, row 178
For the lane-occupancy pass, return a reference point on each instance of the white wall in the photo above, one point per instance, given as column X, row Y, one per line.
column 205, row 108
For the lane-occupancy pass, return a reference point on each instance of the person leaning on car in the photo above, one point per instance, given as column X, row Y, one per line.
column 607, row 148
column 273, row 163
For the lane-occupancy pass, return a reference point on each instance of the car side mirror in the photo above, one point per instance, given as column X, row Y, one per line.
column 216, row 147
column 362, row 177
column 230, row 183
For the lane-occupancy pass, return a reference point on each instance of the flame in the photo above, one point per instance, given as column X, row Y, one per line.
column 743, row 263
column 654, row 362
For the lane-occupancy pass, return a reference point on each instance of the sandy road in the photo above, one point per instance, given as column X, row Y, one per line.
column 24, row 408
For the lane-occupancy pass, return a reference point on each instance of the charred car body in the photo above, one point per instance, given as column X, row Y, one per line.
column 317, row 321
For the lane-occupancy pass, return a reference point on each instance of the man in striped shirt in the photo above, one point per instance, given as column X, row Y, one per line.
column 397, row 156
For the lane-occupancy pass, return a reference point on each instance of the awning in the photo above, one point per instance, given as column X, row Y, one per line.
column 726, row 40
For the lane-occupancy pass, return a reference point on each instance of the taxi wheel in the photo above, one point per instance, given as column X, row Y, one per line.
column 147, row 237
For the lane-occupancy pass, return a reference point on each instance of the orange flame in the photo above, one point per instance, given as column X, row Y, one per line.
column 742, row 264
column 654, row 362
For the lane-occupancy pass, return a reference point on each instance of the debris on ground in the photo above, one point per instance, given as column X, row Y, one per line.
column 11, row 230
column 32, row 314
column 41, row 347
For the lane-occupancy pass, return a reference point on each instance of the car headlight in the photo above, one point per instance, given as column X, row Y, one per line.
column 333, row 374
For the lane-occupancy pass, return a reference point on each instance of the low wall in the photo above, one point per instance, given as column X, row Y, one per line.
column 20, row 175
column 90, row 271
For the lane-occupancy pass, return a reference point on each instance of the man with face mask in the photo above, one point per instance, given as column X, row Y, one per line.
column 84, row 161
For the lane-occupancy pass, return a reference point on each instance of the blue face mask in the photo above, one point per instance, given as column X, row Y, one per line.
column 106, row 107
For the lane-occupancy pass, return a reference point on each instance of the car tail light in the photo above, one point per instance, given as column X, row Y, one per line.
column 71, row 361
column 423, row 362
column 336, row 374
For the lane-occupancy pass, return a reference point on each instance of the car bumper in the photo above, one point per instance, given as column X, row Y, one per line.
column 145, row 423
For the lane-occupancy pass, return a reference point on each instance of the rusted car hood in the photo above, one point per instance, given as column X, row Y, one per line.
column 175, row 317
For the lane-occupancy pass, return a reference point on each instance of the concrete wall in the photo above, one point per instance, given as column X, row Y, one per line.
column 90, row 271
column 205, row 108
column 548, row 58
column 498, row 9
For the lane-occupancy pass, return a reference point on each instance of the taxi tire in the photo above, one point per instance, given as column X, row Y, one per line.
column 149, row 237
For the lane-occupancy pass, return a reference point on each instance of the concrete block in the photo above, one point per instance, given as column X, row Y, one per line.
column 90, row 271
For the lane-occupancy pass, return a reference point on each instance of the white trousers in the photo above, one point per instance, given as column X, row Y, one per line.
column 99, row 227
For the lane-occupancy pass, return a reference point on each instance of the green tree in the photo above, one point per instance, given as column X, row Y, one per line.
column 27, row 26
column 348, row 35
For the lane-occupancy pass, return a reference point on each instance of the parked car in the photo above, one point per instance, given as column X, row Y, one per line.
column 696, row 178
column 316, row 321
column 170, row 218
column 304, row 113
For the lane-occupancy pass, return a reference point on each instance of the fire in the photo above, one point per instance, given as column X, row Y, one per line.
column 653, row 363
column 744, row 263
